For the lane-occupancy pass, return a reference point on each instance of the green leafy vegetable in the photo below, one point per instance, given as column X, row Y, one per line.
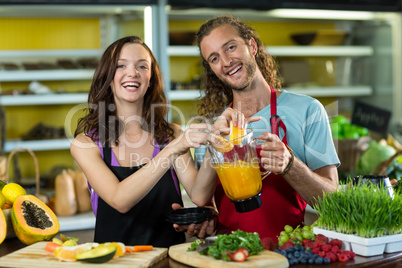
column 394, row 170
column 375, row 154
column 194, row 245
column 232, row 242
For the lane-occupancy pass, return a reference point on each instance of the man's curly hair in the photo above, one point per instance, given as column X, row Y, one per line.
column 217, row 94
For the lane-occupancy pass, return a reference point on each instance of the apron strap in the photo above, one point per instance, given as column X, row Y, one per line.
column 275, row 120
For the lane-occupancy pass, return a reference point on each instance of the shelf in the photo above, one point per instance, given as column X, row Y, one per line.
column 338, row 51
column 45, row 75
column 335, row 91
column 73, row 10
column 49, row 53
column 43, row 99
column 39, row 145
column 81, row 221
column 178, row 95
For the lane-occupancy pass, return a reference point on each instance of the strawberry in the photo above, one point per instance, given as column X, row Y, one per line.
column 287, row 244
column 238, row 256
column 306, row 241
column 322, row 238
column 267, row 243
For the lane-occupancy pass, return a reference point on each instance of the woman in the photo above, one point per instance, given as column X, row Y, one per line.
column 128, row 149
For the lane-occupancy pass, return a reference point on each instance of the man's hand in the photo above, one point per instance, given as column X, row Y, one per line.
column 275, row 156
column 200, row 230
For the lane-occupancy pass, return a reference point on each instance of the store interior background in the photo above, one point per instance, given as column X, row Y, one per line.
column 77, row 31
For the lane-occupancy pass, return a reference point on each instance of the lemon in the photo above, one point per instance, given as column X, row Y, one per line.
column 236, row 134
column 2, row 200
column 11, row 191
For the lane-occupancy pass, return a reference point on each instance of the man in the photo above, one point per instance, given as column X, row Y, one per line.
column 298, row 151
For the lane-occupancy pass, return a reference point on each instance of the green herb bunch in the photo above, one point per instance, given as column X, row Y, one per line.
column 364, row 210
column 232, row 242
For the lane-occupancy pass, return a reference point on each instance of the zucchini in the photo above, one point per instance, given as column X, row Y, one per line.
column 97, row 255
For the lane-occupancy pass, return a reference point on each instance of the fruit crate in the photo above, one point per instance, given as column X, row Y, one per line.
column 365, row 246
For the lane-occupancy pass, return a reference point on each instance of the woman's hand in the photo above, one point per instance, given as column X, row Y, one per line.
column 194, row 136
column 275, row 156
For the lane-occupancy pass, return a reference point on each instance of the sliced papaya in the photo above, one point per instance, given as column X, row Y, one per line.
column 97, row 255
column 33, row 220
column 3, row 227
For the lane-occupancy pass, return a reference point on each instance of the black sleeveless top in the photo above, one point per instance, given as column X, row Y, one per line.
column 145, row 223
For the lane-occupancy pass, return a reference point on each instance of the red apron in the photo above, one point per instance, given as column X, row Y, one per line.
column 281, row 204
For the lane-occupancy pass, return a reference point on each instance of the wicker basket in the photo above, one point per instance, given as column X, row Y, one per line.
column 7, row 212
column 349, row 151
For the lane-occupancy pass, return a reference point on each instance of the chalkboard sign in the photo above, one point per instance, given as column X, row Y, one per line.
column 371, row 117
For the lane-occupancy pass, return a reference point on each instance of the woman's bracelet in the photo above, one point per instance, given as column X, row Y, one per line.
column 290, row 164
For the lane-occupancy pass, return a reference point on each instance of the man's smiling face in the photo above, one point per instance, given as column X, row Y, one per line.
column 229, row 57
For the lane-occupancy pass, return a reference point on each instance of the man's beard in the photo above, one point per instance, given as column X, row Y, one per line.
column 250, row 71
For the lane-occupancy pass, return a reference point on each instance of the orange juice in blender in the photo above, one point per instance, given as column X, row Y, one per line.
column 238, row 170
column 247, row 182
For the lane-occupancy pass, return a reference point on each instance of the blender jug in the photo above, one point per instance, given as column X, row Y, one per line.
column 238, row 170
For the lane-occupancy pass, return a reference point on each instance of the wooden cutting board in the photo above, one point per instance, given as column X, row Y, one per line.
column 36, row 256
column 266, row 258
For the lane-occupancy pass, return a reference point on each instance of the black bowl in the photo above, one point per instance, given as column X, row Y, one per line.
column 187, row 216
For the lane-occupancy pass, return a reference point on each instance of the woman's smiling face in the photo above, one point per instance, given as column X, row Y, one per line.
column 133, row 73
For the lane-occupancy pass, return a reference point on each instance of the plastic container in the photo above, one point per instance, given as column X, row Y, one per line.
column 365, row 246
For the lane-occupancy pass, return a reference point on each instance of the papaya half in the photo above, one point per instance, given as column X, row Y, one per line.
column 33, row 220
column 3, row 226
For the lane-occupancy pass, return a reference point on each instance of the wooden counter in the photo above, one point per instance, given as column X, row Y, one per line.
column 392, row 260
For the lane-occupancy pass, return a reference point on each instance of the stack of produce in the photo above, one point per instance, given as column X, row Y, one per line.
column 341, row 128
column 71, row 193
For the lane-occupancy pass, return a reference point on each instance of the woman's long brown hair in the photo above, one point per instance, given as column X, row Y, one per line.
column 217, row 95
column 101, row 122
